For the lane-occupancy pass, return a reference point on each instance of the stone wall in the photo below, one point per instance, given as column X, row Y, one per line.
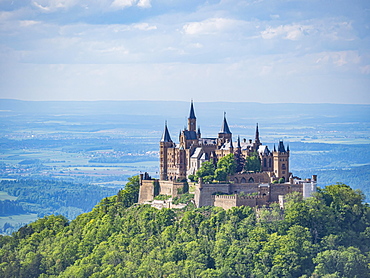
column 229, row 201
column 146, row 192
column 203, row 193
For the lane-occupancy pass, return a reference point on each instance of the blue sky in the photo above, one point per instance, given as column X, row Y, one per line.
column 287, row 51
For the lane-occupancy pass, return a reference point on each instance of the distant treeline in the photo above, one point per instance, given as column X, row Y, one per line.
column 49, row 196
column 122, row 159
column 8, row 207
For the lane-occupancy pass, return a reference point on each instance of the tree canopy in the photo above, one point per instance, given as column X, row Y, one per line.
column 327, row 235
column 252, row 163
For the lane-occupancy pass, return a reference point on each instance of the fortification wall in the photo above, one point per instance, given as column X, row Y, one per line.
column 146, row 192
column 247, row 188
column 224, row 201
column 229, row 201
column 278, row 189
column 203, row 193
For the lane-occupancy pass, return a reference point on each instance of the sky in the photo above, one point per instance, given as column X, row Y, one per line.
column 268, row 51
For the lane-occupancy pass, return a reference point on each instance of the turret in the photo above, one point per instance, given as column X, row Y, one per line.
column 164, row 145
column 225, row 133
column 281, row 162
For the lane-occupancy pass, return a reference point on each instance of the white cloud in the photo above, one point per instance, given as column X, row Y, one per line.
column 144, row 26
column 121, row 4
column 53, row 5
column 211, row 26
column 26, row 23
column 290, row 32
column 144, row 4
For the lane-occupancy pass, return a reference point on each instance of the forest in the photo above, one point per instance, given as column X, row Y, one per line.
column 327, row 235
column 46, row 197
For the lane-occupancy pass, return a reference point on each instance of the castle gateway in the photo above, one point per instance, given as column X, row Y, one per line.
column 179, row 161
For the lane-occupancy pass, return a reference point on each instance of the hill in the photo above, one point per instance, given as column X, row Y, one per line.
column 324, row 236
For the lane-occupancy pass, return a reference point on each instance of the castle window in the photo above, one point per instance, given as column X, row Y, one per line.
column 283, row 167
column 251, row 180
column 243, row 180
column 264, row 162
column 269, row 162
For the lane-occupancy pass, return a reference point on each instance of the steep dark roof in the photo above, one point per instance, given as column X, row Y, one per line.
column 225, row 126
column 281, row 147
column 166, row 135
column 190, row 135
column 192, row 114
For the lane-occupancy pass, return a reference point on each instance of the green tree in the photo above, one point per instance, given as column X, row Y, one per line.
column 206, row 171
column 227, row 163
column 344, row 262
column 253, row 163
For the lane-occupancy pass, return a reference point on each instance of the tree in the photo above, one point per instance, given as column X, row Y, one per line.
column 227, row 163
column 343, row 263
column 253, row 163
column 206, row 171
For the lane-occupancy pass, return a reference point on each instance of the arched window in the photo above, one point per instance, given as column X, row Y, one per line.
column 251, row 180
column 270, row 162
column 243, row 180
column 264, row 162
column 236, row 180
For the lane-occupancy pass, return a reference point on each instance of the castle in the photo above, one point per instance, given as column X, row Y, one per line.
column 180, row 161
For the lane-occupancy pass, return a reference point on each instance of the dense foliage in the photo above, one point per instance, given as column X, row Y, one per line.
column 46, row 197
column 253, row 163
column 225, row 166
column 324, row 236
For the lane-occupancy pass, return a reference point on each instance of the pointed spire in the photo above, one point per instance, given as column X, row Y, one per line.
column 225, row 126
column 257, row 134
column 287, row 148
column 166, row 135
column 198, row 131
column 281, row 147
column 192, row 113
column 239, row 146
column 274, row 148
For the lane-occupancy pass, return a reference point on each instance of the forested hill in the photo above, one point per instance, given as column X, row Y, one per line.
column 324, row 236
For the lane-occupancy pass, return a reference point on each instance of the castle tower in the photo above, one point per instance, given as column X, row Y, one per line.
column 281, row 161
column 192, row 120
column 164, row 145
column 225, row 133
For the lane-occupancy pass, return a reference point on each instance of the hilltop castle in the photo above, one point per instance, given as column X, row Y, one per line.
column 179, row 161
